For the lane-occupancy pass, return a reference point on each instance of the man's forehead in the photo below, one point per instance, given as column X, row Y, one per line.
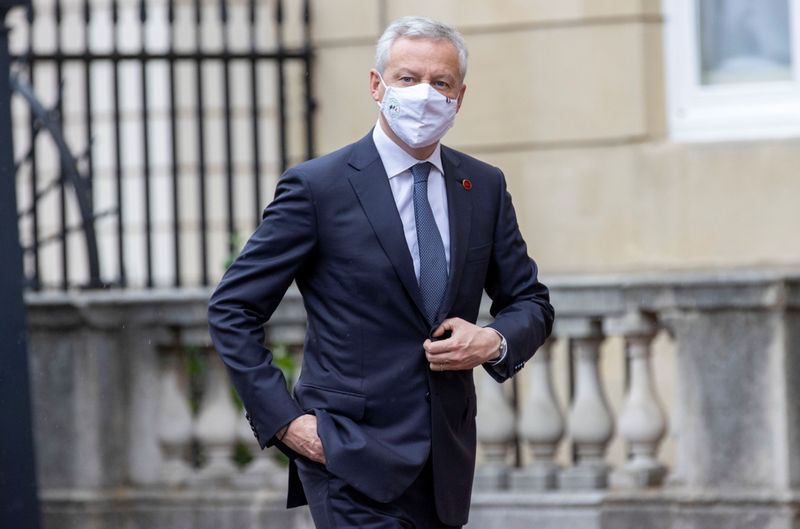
column 424, row 49
column 426, row 45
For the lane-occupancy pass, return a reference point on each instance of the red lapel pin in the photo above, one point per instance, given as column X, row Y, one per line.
column 467, row 184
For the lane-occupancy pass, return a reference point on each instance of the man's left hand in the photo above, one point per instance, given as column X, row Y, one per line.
column 467, row 347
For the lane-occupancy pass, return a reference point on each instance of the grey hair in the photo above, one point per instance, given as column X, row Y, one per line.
column 419, row 28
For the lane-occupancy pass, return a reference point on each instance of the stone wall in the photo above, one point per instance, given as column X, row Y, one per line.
column 568, row 98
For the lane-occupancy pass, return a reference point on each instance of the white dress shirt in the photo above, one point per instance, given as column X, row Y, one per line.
column 398, row 164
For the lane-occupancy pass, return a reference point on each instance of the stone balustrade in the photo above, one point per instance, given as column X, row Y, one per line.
column 135, row 419
column 587, row 421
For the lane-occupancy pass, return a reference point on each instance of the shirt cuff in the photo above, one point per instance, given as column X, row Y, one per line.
column 503, row 349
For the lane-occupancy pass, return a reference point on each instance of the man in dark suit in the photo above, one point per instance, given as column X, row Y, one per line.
column 391, row 241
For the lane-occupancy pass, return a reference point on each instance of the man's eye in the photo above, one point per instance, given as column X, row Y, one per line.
column 407, row 79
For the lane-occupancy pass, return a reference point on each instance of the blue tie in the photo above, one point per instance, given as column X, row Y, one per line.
column 432, row 260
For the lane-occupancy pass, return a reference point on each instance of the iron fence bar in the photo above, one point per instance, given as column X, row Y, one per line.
column 148, row 221
column 282, row 135
column 54, row 184
column 176, row 231
column 25, row 159
column 63, row 191
column 118, row 147
column 201, row 158
column 254, row 102
column 35, row 282
column 87, row 71
column 310, row 104
column 226, row 96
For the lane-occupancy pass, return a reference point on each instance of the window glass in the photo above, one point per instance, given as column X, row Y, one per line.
column 744, row 41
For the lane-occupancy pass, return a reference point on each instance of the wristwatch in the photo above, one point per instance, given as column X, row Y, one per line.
column 503, row 349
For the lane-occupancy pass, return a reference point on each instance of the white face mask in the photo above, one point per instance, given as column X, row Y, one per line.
column 418, row 114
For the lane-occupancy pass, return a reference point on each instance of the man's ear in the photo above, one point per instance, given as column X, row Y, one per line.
column 375, row 86
column 461, row 96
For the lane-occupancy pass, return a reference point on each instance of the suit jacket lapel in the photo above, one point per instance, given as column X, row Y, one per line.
column 459, row 206
column 371, row 185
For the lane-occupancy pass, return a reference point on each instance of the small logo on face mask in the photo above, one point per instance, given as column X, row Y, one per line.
column 392, row 108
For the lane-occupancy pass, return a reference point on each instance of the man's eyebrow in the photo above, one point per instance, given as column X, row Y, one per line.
column 445, row 76
column 408, row 71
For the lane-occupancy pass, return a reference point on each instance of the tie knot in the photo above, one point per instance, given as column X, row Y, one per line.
column 421, row 171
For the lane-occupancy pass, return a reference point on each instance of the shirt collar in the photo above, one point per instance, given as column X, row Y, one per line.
column 395, row 159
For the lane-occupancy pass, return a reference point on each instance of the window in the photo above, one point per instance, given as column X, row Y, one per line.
column 733, row 68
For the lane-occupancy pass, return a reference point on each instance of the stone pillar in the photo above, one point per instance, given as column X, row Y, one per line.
column 174, row 419
column 215, row 425
column 738, row 367
column 642, row 422
column 540, row 426
column 495, row 433
column 262, row 472
column 79, row 382
column 591, row 424
column 143, row 348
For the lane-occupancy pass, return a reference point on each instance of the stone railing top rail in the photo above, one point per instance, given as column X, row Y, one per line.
column 591, row 295
column 573, row 296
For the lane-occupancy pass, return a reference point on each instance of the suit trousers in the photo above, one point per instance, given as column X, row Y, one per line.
column 336, row 505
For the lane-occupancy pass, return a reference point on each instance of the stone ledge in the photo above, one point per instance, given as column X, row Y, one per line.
column 108, row 309
column 648, row 509
column 746, row 288
column 665, row 495
column 169, row 509
column 164, row 496
column 216, row 509
column 578, row 296
column 600, row 295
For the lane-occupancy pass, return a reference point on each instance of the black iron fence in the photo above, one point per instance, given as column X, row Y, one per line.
column 149, row 133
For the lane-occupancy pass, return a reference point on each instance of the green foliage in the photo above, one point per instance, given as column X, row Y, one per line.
column 235, row 243
column 196, row 370
column 237, row 401
column 281, row 458
column 283, row 360
column 241, row 453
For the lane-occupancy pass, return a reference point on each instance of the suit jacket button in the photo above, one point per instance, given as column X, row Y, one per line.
column 428, row 396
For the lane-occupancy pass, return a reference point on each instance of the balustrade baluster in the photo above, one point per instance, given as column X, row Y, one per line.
column 495, row 433
column 262, row 471
column 174, row 418
column 540, row 426
column 642, row 422
column 590, row 422
column 215, row 427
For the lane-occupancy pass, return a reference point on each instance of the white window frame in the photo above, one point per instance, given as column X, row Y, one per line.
column 736, row 111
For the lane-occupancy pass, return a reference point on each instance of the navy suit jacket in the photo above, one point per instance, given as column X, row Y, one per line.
column 334, row 229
